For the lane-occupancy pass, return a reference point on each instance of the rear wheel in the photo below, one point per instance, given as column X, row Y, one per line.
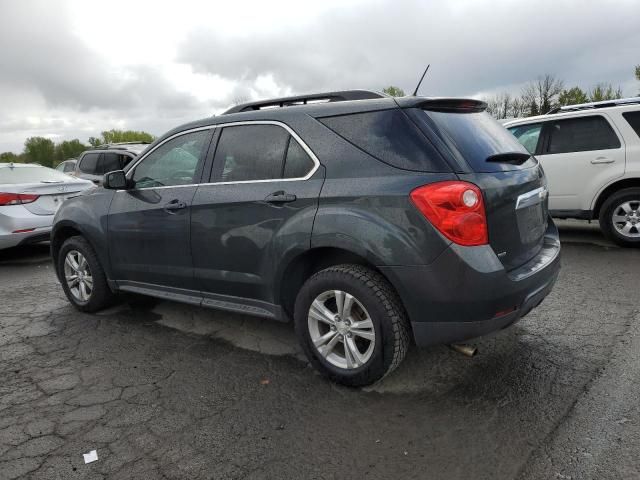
column 351, row 324
column 82, row 276
column 620, row 217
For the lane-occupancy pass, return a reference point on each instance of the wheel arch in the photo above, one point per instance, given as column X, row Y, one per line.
column 61, row 232
column 610, row 190
column 304, row 265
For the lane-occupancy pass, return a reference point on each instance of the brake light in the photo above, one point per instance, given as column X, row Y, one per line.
column 456, row 209
column 17, row 198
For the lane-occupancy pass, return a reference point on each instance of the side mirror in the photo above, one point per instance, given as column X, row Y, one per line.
column 115, row 180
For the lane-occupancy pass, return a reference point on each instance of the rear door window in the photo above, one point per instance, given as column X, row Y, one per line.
column 390, row 137
column 89, row 163
column 528, row 135
column 111, row 162
column 633, row 118
column 251, row 152
column 580, row 134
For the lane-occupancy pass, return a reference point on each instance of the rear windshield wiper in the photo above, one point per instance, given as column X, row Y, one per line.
column 513, row 158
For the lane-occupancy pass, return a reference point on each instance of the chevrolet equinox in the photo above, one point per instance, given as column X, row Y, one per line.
column 368, row 221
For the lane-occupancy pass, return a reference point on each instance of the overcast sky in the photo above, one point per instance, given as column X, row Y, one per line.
column 70, row 69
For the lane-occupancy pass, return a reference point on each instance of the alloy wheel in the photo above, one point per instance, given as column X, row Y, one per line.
column 78, row 276
column 626, row 219
column 341, row 329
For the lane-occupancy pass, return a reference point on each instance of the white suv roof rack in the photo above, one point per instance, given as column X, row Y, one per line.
column 602, row 104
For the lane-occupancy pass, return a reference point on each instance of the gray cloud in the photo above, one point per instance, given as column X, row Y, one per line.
column 472, row 46
column 38, row 52
column 51, row 82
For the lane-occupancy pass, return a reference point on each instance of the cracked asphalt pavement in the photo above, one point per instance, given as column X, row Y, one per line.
column 163, row 390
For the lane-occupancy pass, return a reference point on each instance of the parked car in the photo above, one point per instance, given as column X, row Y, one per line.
column 94, row 163
column 591, row 156
column 29, row 197
column 68, row 166
column 367, row 220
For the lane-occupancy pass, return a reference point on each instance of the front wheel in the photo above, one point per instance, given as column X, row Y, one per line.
column 83, row 279
column 620, row 217
column 351, row 324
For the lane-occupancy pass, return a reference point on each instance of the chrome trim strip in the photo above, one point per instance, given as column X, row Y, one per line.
column 315, row 160
column 531, row 198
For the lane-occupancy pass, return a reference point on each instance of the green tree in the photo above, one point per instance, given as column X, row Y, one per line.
column 10, row 157
column 39, row 150
column 573, row 96
column 69, row 149
column 116, row 136
column 604, row 91
column 393, row 91
column 94, row 142
column 638, row 72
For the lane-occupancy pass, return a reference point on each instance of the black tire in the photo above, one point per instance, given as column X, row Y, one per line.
column 391, row 326
column 101, row 295
column 609, row 208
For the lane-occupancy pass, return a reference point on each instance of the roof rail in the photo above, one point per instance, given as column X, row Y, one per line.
column 601, row 104
column 116, row 145
column 341, row 96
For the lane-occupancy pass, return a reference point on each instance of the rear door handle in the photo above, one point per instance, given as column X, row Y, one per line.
column 174, row 205
column 280, row 197
column 600, row 160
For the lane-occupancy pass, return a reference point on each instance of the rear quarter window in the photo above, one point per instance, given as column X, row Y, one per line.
column 633, row 119
column 390, row 137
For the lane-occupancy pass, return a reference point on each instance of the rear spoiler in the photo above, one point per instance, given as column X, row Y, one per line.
column 451, row 105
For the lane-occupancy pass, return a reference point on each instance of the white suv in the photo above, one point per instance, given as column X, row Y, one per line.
column 591, row 156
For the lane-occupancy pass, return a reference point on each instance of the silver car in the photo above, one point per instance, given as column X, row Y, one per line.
column 29, row 198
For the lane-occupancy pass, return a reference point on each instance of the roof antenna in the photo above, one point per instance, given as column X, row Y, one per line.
column 415, row 93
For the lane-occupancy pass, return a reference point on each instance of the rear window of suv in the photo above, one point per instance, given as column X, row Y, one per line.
column 389, row 136
column 475, row 137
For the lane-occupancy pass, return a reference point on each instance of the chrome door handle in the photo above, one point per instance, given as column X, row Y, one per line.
column 600, row 160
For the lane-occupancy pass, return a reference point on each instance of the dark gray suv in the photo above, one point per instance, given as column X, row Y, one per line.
column 369, row 221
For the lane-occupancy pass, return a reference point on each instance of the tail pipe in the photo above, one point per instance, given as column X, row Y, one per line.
column 464, row 349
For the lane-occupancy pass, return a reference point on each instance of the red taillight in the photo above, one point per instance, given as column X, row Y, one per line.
column 456, row 209
column 17, row 198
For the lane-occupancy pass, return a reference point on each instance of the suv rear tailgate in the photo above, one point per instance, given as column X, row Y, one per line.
column 486, row 154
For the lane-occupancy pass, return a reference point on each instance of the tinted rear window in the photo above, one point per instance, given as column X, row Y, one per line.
column 634, row 120
column 581, row 134
column 89, row 163
column 475, row 137
column 390, row 137
column 31, row 175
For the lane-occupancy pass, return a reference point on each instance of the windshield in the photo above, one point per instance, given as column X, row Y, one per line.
column 30, row 174
column 476, row 137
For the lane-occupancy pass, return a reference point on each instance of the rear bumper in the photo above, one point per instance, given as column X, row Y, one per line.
column 16, row 217
column 467, row 293
column 9, row 240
